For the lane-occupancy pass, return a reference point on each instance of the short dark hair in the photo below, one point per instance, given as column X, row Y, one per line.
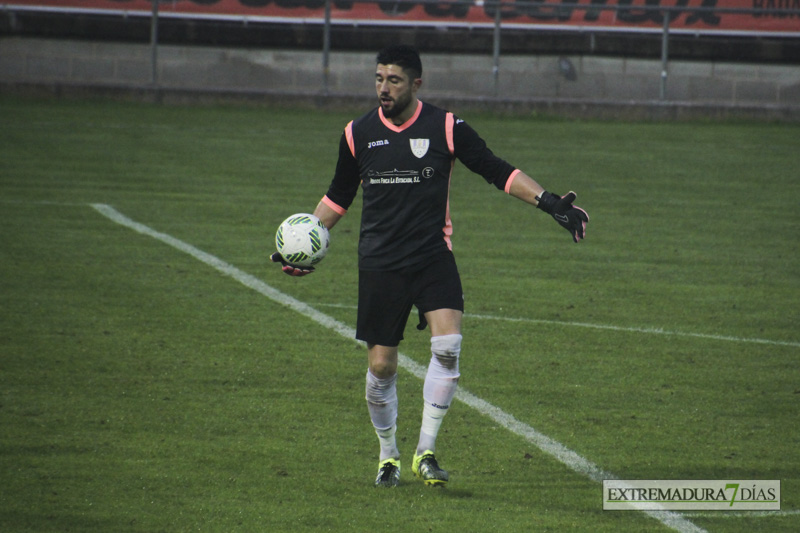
column 404, row 56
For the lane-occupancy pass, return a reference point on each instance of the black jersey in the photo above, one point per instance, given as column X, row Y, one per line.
column 405, row 173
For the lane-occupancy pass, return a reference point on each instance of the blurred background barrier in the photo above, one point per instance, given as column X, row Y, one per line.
column 690, row 54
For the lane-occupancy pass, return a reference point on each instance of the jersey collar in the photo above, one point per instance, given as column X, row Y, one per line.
column 405, row 125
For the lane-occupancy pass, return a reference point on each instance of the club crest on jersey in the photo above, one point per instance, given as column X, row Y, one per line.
column 419, row 147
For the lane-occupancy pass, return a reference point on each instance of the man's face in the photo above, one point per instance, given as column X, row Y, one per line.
column 395, row 90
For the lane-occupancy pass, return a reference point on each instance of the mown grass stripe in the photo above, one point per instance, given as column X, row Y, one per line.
column 552, row 447
column 624, row 329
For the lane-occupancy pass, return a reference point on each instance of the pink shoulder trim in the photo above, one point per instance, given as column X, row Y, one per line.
column 348, row 133
column 449, row 122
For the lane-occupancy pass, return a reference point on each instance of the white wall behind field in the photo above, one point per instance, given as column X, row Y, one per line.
column 536, row 77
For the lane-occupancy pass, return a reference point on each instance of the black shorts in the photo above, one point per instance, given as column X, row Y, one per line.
column 385, row 299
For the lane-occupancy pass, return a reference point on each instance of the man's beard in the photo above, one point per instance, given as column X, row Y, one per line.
column 398, row 107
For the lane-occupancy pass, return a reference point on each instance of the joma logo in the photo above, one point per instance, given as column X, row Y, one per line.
column 373, row 144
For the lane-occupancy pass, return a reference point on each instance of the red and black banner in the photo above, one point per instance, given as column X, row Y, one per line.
column 698, row 16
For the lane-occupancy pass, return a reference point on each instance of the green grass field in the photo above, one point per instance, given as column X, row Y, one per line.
column 142, row 390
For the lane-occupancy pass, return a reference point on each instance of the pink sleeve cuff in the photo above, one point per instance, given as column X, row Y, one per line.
column 336, row 207
column 511, row 179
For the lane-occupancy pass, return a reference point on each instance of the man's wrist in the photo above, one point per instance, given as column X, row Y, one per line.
column 547, row 201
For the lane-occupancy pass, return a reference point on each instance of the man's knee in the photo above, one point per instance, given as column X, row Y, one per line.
column 446, row 349
column 382, row 360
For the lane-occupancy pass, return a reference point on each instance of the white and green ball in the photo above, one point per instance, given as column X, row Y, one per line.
column 302, row 240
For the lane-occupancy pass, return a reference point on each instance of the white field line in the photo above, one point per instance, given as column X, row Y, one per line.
column 543, row 442
column 650, row 331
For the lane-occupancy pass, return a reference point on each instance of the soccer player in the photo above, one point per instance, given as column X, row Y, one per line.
column 401, row 154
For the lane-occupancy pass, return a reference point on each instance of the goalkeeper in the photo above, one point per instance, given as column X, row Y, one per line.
column 401, row 155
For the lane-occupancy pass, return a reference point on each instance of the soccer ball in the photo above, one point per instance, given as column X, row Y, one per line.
column 302, row 240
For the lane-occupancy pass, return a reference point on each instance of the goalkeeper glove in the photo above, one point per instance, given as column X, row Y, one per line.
column 288, row 268
column 571, row 218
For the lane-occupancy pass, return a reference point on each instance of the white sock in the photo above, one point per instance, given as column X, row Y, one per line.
column 440, row 386
column 388, row 443
column 382, row 405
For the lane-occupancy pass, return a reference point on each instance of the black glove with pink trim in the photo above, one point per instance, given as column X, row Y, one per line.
column 571, row 217
column 289, row 268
